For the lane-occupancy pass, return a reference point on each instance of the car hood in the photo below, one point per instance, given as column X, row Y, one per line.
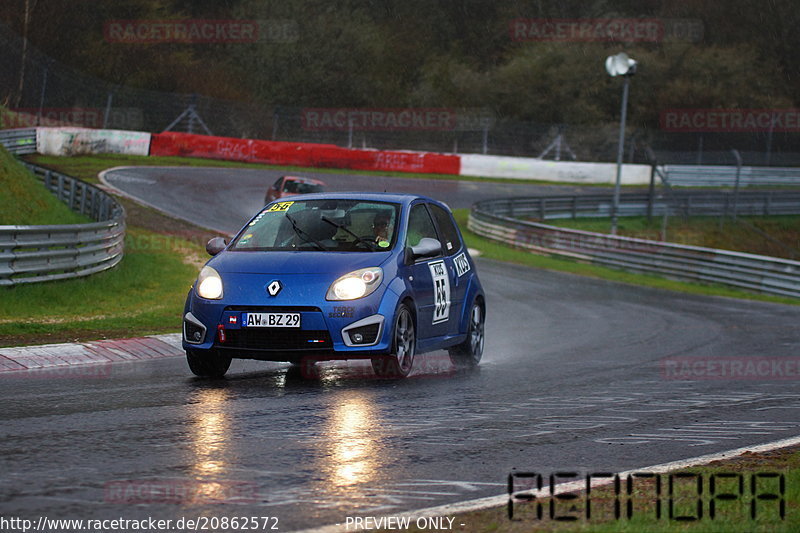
column 306, row 262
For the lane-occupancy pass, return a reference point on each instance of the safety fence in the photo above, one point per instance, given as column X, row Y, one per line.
column 19, row 141
column 678, row 203
column 726, row 176
column 497, row 220
column 30, row 254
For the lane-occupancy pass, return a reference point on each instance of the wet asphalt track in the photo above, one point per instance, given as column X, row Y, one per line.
column 224, row 199
column 571, row 380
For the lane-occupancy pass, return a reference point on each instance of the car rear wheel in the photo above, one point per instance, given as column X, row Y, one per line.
column 209, row 365
column 469, row 352
column 404, row 344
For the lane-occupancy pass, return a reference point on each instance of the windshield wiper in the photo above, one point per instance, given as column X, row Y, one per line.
column 372, row 244
column 308, row 238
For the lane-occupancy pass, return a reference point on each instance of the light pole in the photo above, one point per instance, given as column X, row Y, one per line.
column 620, row 65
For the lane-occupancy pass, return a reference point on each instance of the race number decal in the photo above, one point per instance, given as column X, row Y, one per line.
column 462, row 264
column 280, row 206
column 441, row 290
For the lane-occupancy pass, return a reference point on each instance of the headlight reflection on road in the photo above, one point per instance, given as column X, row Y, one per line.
column 352, row 438
column 210, row 432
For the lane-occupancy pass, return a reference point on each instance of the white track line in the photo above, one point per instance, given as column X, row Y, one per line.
column 501, row 500
column 119, row 192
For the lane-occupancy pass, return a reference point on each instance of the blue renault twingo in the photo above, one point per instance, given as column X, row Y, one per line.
column 376, row 276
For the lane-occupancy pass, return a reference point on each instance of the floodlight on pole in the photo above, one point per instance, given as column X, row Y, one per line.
column 620, row 65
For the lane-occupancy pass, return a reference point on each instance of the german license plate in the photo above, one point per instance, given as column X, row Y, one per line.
column 271, row 320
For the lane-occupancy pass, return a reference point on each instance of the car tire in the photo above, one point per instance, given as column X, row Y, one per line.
column 468, row 353
column 208, row 365
column 404, row 344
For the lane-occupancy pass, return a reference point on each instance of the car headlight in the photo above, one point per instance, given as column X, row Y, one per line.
column 209, row 284
column 356, row 284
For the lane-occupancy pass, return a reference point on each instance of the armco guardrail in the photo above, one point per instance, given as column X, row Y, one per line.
column 19, row 141
column 30, row 254
column 720, row 176
column 678, row 203
column 494, row 219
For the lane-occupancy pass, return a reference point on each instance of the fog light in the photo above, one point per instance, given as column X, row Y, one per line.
column 194, row 332
column 362, row 335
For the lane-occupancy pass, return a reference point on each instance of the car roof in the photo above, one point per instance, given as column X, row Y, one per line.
column 397, row 198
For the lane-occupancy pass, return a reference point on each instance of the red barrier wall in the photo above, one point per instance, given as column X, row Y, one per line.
column 300, row 154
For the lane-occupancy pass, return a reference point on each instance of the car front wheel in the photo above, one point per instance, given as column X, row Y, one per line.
column 210, row 364
column 469, row 352
column 404, row 343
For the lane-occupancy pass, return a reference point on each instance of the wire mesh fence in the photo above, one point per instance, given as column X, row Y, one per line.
column 43, row 91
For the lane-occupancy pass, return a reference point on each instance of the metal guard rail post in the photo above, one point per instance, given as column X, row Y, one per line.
column 492, row 219
column 30, row 254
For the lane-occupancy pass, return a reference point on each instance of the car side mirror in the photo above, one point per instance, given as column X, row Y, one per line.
column 427, row 247
column 216, row 245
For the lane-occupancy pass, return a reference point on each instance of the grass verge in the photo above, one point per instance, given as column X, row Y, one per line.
column 24, row 199
column 142, row 295
column 501, row 252
column 734, row 514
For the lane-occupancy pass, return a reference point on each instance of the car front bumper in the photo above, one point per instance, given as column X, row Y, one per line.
column 330, row 330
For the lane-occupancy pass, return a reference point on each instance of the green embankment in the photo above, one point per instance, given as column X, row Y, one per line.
column 142, row 295
column 24, row 199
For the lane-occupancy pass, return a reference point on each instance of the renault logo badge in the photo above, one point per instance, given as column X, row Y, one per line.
column 274, row 288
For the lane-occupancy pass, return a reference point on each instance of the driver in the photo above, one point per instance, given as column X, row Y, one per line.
column 380, row 226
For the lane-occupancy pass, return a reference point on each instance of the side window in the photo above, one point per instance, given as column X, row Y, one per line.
column 277, row 184
column 450, row 239
column 420, row 225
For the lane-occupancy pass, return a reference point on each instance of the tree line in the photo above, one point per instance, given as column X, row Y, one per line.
column 744, row 54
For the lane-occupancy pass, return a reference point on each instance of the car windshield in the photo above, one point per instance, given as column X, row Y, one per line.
column 321, row 225
column 301, row 187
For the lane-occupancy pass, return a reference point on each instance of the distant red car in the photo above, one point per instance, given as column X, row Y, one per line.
column 290, row 185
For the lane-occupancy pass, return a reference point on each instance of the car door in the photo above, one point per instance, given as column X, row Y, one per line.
column 431, row 278
column 456, row 262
